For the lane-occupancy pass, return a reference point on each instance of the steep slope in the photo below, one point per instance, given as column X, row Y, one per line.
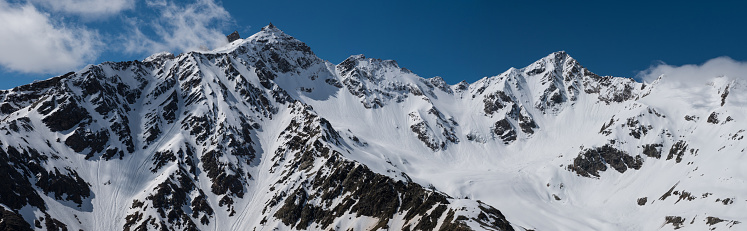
column 263, row 134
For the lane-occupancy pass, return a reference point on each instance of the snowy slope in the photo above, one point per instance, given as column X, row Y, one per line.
column 263, row 134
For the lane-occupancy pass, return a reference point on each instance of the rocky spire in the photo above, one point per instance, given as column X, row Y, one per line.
column 233, row 36
column 269, row 27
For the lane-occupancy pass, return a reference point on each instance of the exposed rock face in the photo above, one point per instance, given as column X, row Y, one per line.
column 233, row 36
column 677, row 151
column 505, row 131
column 12, row 221
column 652, row 150
column 713, row 118
column 71, row 186
column 591, row 161
column 676, row 221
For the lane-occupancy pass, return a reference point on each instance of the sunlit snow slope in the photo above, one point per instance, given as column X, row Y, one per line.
column 261, row 134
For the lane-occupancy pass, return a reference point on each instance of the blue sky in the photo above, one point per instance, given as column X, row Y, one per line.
column 458, row 40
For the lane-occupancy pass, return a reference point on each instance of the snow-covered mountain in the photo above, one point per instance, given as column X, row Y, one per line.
column 264, row 135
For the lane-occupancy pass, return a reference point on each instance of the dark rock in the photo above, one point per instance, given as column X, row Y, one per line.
column 233, row 36
column 125, row 135
column 170, row 198
column 439, row 83
column 222, row 182
column 281, row 64
column 591, row 161
column 12, row 221
column 69, row 185
column 21, row 123
column 451, row 224
column 551, row 97
column 199, row 126
column 685, row 195
column 535, row 71
column 66, row 117
column 169, row 107
column 676, row 221
column 713, row 118
column 161, row 158
column 200, row 205
column 527, row 125
column 110, row 152
column 642, row 201
column 678, row 150
column 668, row 193
column 421, row 129
column 430, row 221
column 726, row 201
column 54, row 224
column 489, row 213
column 636, row 128
column 604, row 130
column 505, row 131
column 333, row 82
column 225, row 182
column 264, row 74
column 626, row 94
column 652, row 150
column 495, row 101
column 82, row 139
column 724, row 95
column 713, row 220
column 15, row 190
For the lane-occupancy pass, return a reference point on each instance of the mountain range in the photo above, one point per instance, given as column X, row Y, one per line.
column 262, row 134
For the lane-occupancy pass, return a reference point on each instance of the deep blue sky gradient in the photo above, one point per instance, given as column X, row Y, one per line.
column 468, row 40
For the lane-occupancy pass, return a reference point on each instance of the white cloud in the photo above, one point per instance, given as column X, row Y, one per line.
column 178, row 28
column 135, row 41
column 33, row 43
column 87, row 8
column 697, row 74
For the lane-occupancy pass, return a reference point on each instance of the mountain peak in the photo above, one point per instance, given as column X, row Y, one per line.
column 271, row 33
column 271, row 27
column 558, row 56
column 559, row 61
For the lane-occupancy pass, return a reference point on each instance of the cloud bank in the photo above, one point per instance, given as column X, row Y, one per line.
column 46, row 37
column 692, row 74
column 33, row 43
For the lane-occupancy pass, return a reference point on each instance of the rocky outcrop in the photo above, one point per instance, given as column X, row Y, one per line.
column 233, row 36
column 505, row 131
column 594, row 160
column 12, row 221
